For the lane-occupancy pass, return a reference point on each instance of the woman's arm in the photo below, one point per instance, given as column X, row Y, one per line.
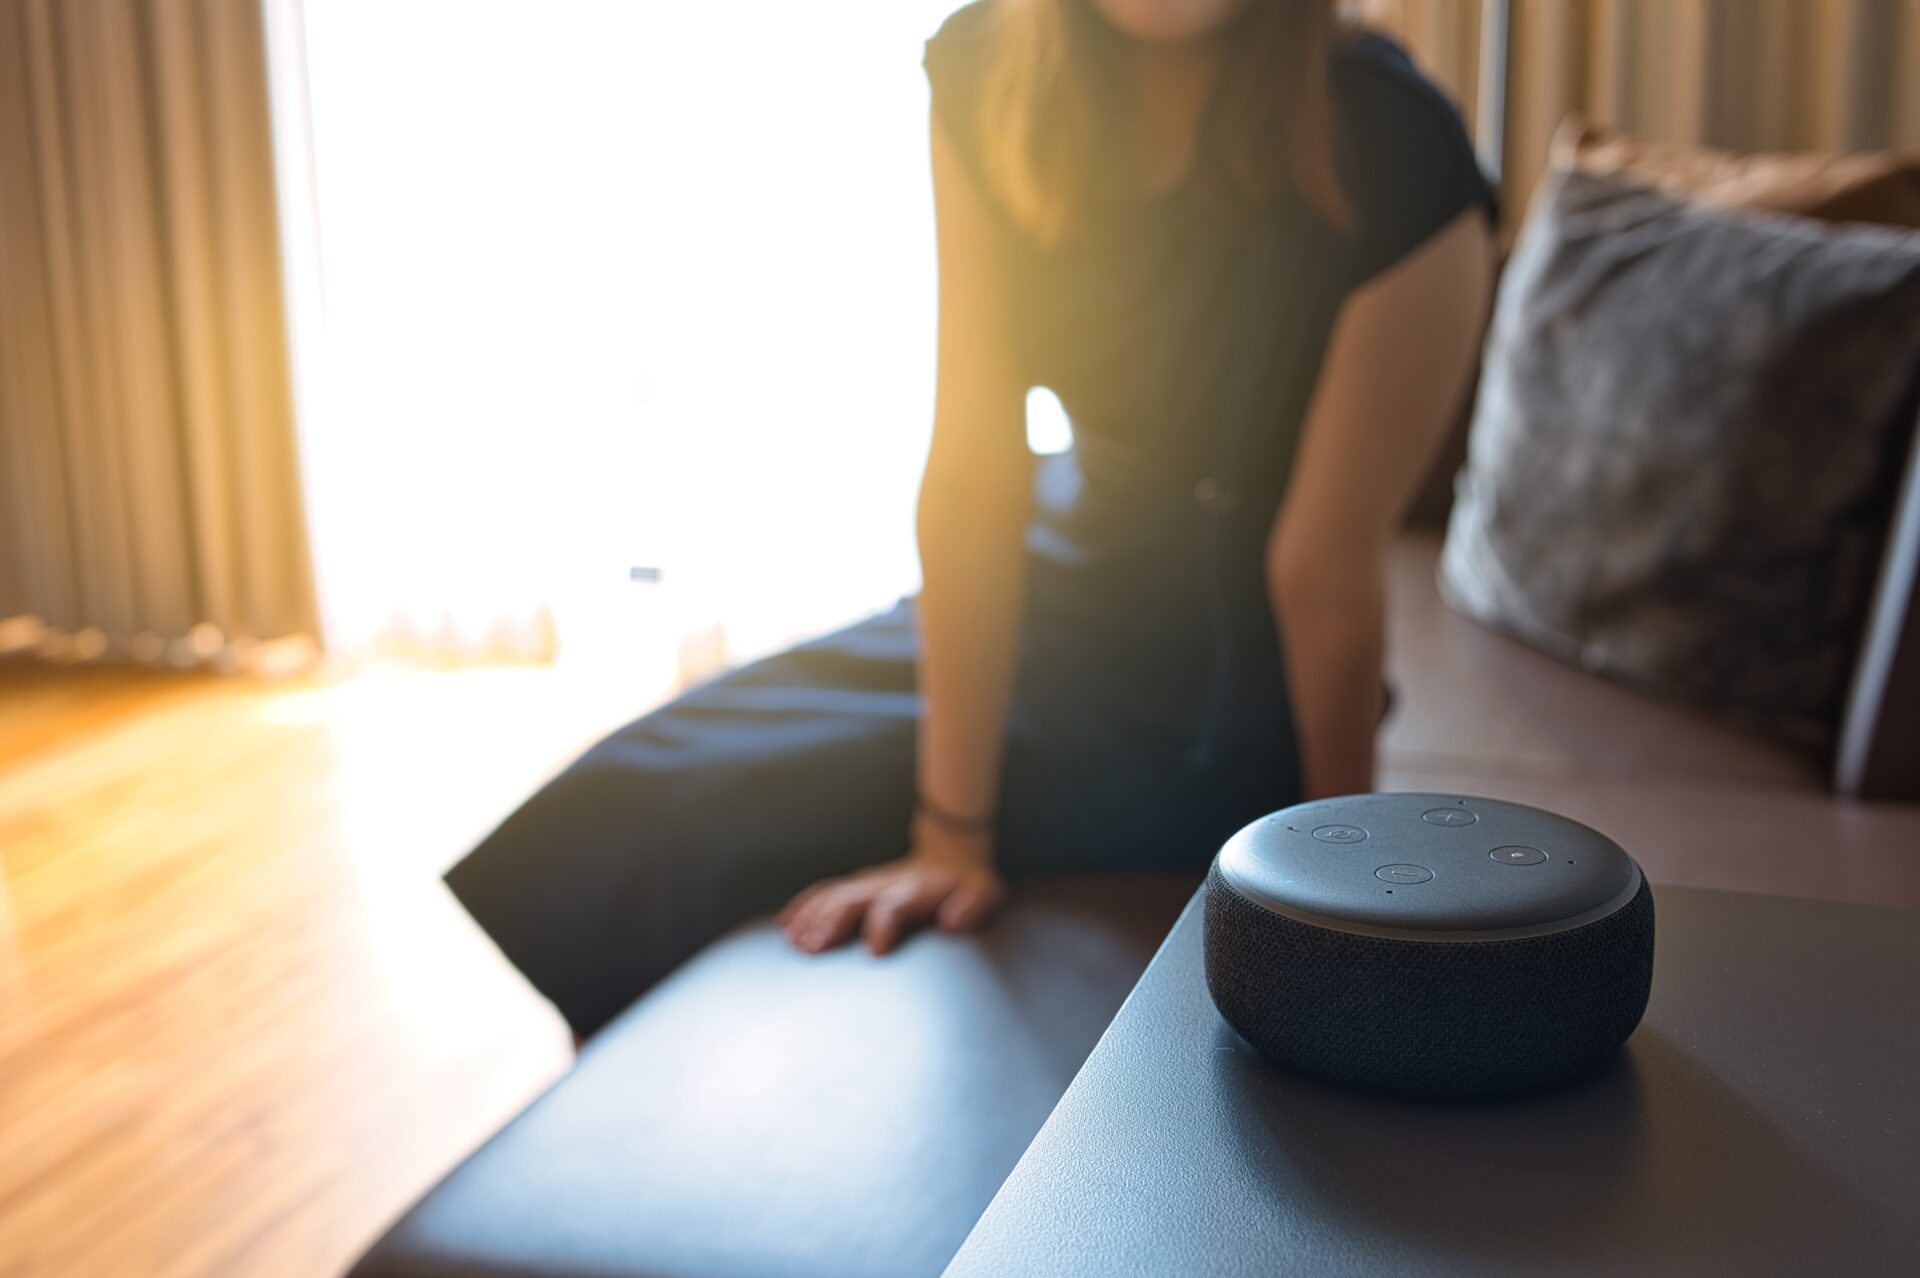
column 975, row 498
column 1401, row 357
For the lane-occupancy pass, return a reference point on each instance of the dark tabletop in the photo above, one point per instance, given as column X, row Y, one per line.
column 1764, row 1119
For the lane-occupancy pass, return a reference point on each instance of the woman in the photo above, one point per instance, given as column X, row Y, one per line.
column 1250, row 253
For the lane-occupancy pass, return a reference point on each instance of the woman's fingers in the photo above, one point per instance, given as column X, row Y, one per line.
column 792, row 909
column 968, row 905
column 833, row 918
column 883, row 905
column 887, row 917
column 898, row 908
column 799, row 916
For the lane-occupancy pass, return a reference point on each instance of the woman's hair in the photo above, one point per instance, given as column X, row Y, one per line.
column 1050, row 91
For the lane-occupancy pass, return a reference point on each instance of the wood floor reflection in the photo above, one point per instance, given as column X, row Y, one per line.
column 241, row 1023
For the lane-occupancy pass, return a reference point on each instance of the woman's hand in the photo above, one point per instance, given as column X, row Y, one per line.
column 948, row 878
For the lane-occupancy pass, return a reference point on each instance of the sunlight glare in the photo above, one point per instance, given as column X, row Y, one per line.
column 1048, row 430
column 613, row 285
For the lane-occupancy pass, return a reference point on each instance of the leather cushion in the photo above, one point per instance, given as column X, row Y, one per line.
column 766, row 1113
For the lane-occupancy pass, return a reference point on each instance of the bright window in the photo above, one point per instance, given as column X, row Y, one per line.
column 617, row 284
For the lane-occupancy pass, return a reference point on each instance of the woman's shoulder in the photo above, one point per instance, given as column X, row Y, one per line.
column 1402, row 150
column 963, row 26
column 956, row 49
column 1374, row 79
column 954, row 57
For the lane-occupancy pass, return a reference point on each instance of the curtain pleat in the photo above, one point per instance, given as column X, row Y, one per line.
column 35, row 515
column 1833, row 75
column 146, row 421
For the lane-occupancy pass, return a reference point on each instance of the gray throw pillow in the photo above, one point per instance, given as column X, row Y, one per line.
column 1687, row 438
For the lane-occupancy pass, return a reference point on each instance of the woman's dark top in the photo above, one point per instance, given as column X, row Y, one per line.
column 1148, row 604
column 1149, row 719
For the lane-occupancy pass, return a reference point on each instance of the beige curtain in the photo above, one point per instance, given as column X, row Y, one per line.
column 1745, row 74
column 149, row 492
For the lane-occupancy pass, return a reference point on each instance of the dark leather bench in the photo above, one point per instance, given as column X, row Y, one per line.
column 767, row 1114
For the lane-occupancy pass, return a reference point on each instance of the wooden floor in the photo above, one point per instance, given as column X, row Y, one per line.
column 241, row 1023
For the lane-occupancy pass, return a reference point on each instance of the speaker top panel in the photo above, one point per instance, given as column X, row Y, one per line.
column 1446, row 866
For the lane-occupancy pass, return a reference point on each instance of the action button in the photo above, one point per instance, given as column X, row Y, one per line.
column 1448, row 816
column 1340, row 834
column 1518, row 855
column 1403, row 873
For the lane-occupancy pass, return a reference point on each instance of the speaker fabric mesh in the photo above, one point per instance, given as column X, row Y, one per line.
column 1427, row 1018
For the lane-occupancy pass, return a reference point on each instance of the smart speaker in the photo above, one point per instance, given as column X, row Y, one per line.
column 1428, row 945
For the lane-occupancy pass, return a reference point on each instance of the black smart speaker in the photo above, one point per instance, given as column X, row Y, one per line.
column 1428, row 945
